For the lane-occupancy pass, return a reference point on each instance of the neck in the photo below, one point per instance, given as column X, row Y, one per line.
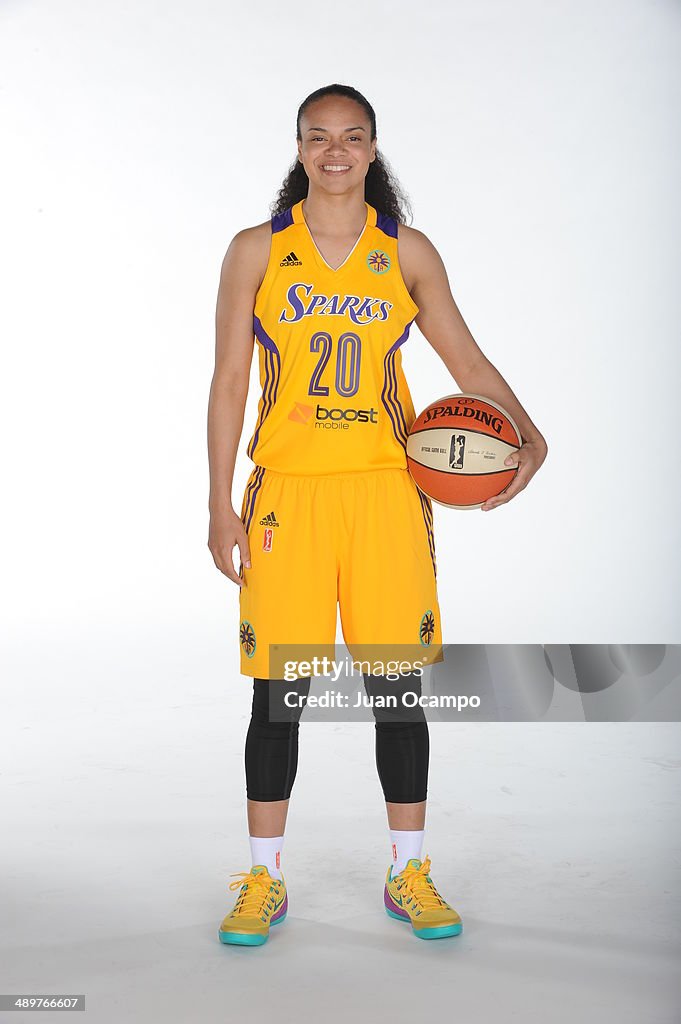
column 340, row 214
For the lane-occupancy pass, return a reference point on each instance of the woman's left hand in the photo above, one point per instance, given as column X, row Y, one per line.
column 528, row 458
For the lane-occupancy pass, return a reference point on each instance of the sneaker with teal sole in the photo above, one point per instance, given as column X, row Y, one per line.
column 411, row 897
column 262, row 901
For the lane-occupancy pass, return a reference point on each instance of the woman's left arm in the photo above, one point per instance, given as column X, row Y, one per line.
column 440, row 321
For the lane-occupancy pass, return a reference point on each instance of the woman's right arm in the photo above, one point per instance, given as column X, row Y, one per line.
column 243, row 269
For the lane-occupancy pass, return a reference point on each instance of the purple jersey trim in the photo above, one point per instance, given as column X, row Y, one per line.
column 263, row 337
column 271, row 382
column 388, row 225
column 282, row 220
column 389, row 396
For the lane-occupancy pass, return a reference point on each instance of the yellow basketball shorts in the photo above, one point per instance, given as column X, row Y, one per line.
column 362, row 540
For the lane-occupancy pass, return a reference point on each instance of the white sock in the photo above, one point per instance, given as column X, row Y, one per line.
column 405, row 845
column 267, row 851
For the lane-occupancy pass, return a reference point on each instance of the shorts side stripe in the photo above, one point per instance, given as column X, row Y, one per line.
column 252, row 490
column 427, row 510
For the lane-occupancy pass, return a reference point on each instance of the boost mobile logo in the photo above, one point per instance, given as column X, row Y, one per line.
column 342, row 417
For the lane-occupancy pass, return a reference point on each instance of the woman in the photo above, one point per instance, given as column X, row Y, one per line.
column 330, row 513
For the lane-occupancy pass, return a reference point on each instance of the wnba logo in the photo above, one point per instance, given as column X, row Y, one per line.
column 456, row 450
column 267, row 539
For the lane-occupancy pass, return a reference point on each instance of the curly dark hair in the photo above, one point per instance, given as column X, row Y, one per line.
column 381, row 188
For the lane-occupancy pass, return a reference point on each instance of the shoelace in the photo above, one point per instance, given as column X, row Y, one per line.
column 258, row 894
column 420, row 887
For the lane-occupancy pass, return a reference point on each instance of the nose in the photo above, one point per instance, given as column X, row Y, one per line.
column 335, row 149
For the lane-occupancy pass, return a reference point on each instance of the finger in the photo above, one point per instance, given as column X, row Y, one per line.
column 223, row 560
column 502, row 498
column 231, row 573
column 516, row 485
column 244, row 551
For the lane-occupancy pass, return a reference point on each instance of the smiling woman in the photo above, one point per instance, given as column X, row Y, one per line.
column 319, row 152
column 329, row 288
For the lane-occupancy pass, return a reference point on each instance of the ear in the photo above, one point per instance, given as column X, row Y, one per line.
column 373, row 151
column 300, row 151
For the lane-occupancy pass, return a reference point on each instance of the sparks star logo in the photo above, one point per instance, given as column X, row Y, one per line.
column 427, row 629
column 247, row 638
column 378, row 261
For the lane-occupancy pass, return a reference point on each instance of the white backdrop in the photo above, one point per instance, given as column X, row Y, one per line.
column 539, row 145
column 541, row 155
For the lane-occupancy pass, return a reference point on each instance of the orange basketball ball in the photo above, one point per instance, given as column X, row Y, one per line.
column 456, row 449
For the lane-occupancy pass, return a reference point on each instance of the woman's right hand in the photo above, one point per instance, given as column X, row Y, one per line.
column 225, row 531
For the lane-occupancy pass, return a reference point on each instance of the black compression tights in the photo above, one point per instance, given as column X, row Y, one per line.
column 402, row 742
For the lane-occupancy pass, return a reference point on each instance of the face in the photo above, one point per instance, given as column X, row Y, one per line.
column 336, row 148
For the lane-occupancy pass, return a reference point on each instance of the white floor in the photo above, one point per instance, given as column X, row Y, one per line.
column 124, row 813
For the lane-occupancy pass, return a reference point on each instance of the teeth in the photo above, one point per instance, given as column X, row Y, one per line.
column 335, row 167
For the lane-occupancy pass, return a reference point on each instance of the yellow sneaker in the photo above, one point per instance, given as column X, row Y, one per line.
column 411, row 896
column 262, row 901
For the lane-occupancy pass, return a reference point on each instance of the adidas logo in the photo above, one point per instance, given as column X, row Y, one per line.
column 291, row 261
column 269, row 520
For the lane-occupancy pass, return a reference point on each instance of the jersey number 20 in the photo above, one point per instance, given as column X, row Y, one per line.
column 348, row 356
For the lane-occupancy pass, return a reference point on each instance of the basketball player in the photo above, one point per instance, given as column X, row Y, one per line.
column 329, row 287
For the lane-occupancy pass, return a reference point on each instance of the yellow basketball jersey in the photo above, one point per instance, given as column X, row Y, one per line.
column 334, row 395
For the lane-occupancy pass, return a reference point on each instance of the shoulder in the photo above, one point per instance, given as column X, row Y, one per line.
column 414, row 245
column 418, row 256
column 250, row 242
column 248, row 252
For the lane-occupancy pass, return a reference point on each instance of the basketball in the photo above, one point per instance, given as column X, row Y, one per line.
column 456, row 449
